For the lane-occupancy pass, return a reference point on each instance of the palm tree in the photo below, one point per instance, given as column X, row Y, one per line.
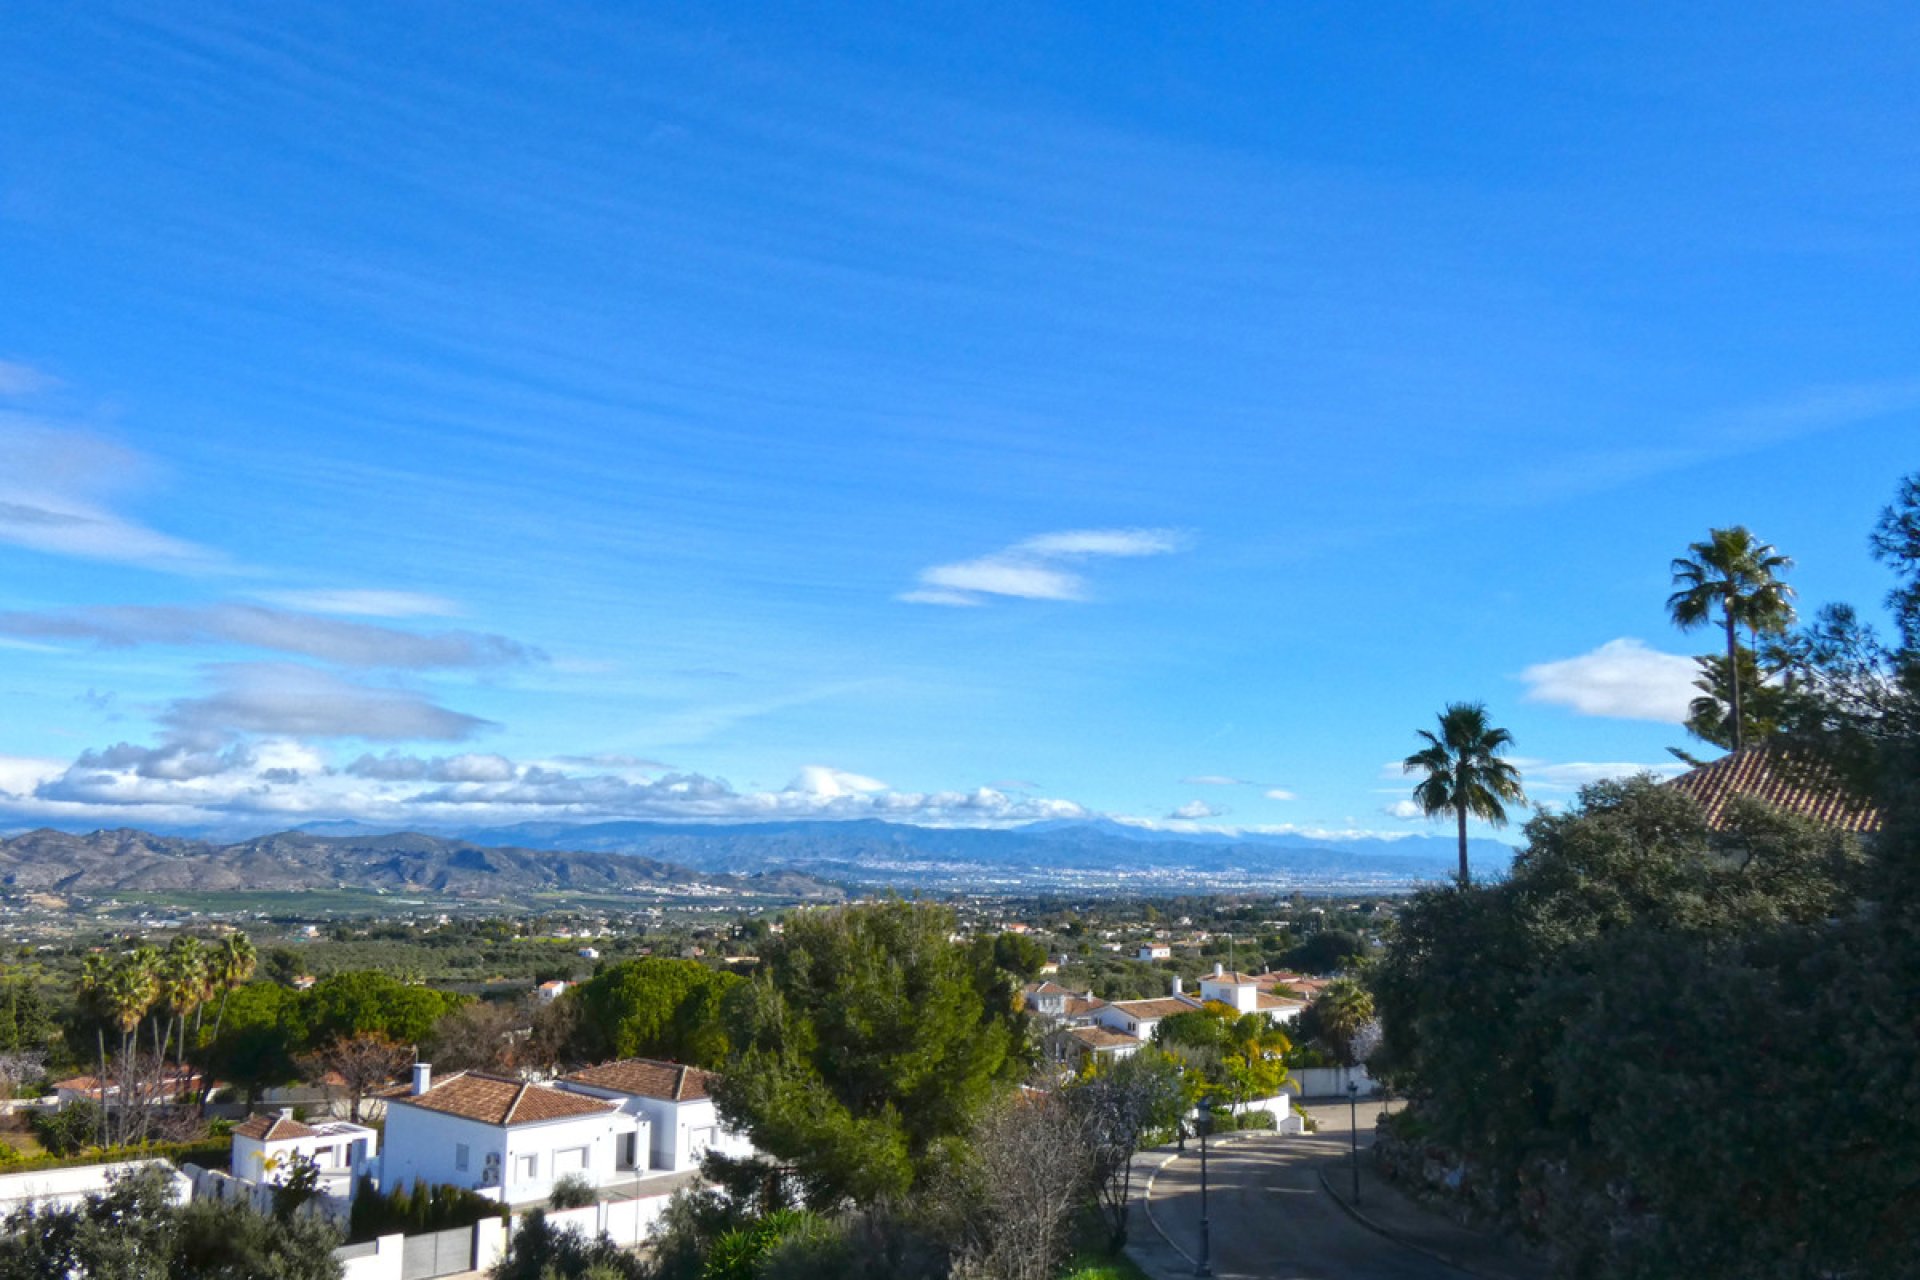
column 1464, row 771
column 233, row 964
column 1737, row 574
column 183, row 981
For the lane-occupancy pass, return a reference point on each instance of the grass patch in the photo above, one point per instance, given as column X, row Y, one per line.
column 1103, row 1267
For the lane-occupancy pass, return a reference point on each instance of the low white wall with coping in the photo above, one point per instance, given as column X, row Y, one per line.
column 1331, row 1082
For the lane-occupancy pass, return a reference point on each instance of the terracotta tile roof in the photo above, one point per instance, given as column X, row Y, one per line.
column 1045, row 989
column 1080, row 1006
column 497, row 1100
column 1266, row 1001
column 1800, row 787
column 1098, row 1038
column 1164, row 1007
column 645, row 1078
column 273, row 1127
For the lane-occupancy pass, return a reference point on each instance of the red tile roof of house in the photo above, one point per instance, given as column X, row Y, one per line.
column 646, row 1078
column 1804, row 788
column 1267, row 1001
column 273, row 1127
column 498, row 1100
column 1077, row 1006
column 1098, row 1038
column 1152, row 1010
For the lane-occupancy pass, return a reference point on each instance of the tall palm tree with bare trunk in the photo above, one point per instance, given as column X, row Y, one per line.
column 1738, row 575
column 1464, row 772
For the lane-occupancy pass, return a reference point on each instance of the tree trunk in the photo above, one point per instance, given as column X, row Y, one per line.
column 101, row 1034
column 1733, row 672
column 1461, row 810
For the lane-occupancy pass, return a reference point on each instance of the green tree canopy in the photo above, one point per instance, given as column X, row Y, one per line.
column 867, row 1042
column 655, row 1008
column 1736, row 574
column 365, row 1002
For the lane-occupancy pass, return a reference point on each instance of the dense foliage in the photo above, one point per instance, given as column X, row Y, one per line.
column 867, row 1043
column 654, row 1008
column 1672, row 1050
column 135, row 1232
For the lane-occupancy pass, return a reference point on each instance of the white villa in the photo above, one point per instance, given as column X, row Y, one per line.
column 265, row 1147
column 506, row 1138
column 1242, row 992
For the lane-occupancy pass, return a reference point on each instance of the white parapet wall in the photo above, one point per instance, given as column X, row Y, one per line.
column 69, row 1187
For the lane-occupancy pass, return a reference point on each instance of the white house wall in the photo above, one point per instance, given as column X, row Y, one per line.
column 423, row 1145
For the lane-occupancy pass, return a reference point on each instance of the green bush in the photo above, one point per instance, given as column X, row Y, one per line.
column 572, row 1192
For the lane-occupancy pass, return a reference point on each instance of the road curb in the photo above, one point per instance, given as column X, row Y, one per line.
column 1353, row 1211
column 1146, row 1192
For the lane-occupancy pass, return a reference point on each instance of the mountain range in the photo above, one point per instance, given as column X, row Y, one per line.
column 128, row 861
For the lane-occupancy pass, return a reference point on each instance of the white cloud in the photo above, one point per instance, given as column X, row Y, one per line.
column 367, row 603
column 1102, row 542
column 1000, row 577
column 354, row 644
column 1213, row 780
column 933, row 596
column 1623, row 678
column 1405, row 810
column 828, row 783
column 301, row 702
column 1279, row 793
column 1195, row 811
column 1035, row 568
column 1572, row 775
column 281, row 777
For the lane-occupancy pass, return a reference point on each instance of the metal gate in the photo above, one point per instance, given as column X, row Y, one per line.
column 438, row 1253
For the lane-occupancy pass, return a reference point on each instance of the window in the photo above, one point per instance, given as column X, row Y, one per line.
column 571, row 1160
column 460, row 1157
column 526, row 1167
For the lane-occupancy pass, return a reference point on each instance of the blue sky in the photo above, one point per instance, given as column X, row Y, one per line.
column 455, row 413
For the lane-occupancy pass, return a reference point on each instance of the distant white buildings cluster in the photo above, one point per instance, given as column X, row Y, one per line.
column 1120, row 1028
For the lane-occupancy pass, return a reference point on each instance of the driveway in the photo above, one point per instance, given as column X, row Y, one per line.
column 1272, row 1217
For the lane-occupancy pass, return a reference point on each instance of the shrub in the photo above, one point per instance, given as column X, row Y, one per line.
column 69, row 1130
column 572, row 1192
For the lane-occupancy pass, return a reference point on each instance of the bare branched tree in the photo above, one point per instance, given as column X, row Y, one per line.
column 1030, row 1170
column 364, row 1063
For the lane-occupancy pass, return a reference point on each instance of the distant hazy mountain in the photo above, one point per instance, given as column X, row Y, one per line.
column 103, row 862
column 1079, row 852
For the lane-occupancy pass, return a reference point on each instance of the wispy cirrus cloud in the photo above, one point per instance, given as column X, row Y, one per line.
column 353, row 644
column 1043, row 567
column 18, row 379
column 56, row 496
column 366, row 603
column 1623, row 679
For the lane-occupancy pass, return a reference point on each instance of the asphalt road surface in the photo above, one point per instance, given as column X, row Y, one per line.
column 1271, row 1218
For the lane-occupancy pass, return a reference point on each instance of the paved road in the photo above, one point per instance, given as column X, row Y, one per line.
column 1271, row 1217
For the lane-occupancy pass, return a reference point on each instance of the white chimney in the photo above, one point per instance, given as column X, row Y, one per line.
column 422, row 1077
column 1218, row 968
column 1176, row 984
column 286, row 1113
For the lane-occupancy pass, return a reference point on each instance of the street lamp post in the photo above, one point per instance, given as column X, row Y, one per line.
column 1353, row 1129
column 1205, row 1124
